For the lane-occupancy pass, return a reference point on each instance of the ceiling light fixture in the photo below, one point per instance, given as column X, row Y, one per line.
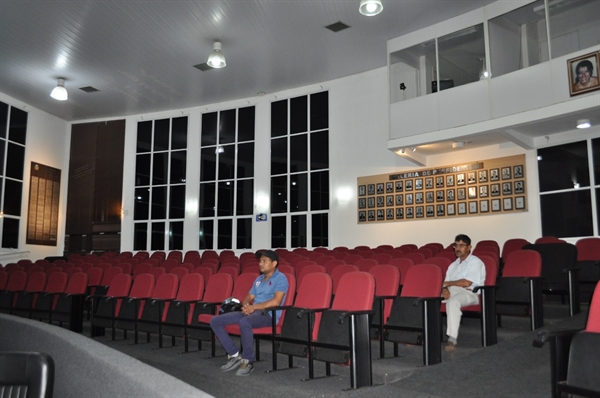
column 370, row 7
column 60, row 92
column 584, row 124
column 216, row 58
column 413, row 149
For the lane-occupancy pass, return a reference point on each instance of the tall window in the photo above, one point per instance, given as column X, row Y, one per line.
column 160, row 184
column 13, row 132
column 226, row 201
column 300, row 171
column 567, row 187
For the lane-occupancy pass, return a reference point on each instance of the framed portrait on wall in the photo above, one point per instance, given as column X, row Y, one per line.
column 484, row 206
column 471, row 177
column 419, row 197
column 439, row 196
column 418, row 183
column 472, row 192
column 409, row 198
column 379, row 188
column 380, row 201
column 520, row 202
column 507, row 204
column 399, row 201
column 518, row 171
column 450, row 194
column 462, row 208
column 362, row 216
column 495, row 188
column 519, row 186
column 399, row 213
column 362, row 190
column 506, row 173
column 483, row 191
column 483, row 176
column 399, row 186
column 439, row 182
column 420, row 212
column 380, row 215
column 389, row 200
column 440, row 210
column 429, row 183
column 409, row 212
column 429, row 197
column 389, row 214
column 495, row 204
column 371, row 202
column 583, row 74
column 389, row 187
column 371, row 189
column 371, row 215
column 472, row 207
column 494, row 174
column 460, row 179
column 362, row 203
column 506, row 188
column 450, row 180
column 430, row 212
column 408, row 185
column 461, row 193
column 451, row 209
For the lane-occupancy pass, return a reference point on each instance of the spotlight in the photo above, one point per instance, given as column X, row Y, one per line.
column 60, row 92
column 584, row 124
column 216, row 58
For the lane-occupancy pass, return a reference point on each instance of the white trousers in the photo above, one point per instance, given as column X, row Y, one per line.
column 459, row 297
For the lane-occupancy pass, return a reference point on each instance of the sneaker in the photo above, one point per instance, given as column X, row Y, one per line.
column 232, row 363
column 245, row 368
column 450, row 347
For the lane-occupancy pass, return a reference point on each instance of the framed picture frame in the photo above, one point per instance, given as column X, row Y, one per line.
column 496, row 205
column 507, row 204
column 380, row 215
column 389, row 214
column 380, row 201
column 408, row 185
column 429, row 211
column 460, row 179
column 389, row 187
column 380, row 188
column 399, row 213
column 439, row 182
column 419, row 197
column 429, row 183
column 461, row 193
column 462, row 208
column 389, row 200
column 371, row 215
column 451, row 209
column 494, row 175
column 473, row 207
column 410, row 212
column 471, row 177
column 495, row 189
column 371, row 189
column 507, row 188
column 399, row 186
column 450, row 194
column 483, row 191
column 362, row 216
column 484, row 206
column 440, row 211
column 450, row 180
column 518, row 171
column 520, row 186
column 583, row 74
column 420, row 212
column 520, row 202
column 483, row 176
column 371, row 202
column 362, row 203
column 418, row 183
column 506, row 173
column 429, row 197
column 362, row 190
column 472, row 192
column 399, row 200
column 409, row 198
column 439, row 195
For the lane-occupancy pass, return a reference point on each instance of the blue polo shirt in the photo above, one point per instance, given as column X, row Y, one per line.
column 265, row 291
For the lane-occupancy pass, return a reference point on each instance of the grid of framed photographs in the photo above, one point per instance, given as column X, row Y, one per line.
column 491, row 186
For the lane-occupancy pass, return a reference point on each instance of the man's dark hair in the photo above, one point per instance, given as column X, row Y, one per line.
column 586, row 63
column 463, row 238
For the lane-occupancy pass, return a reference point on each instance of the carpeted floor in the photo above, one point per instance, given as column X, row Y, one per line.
column 512, row 368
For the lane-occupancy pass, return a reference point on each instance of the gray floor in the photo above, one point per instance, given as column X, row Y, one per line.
column 512, row 368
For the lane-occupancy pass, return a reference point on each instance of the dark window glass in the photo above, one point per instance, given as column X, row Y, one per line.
column 225, row 234
column 279, row 156
column 319, row 191
column 3, row 119
column 207, row 199
column 209, row 129
column 161, row 134
column 299, row 231
column 159, row 168
column 10, row 232
column 15, row 159
column 319, row 150
column 208, row 164
column 176, row 235
column 140, row 235
column 298, row 192
column 226, row 162
column 567, row 214
column 299, row 114
column 246, row 124
column 298, row 153
column 17, row 129
column 177, row 201
column 144, row 136
column 278, row 234
column 320, row 230
column 244, row 233
column 142, row 169
column 157, row 241
column 245, row 160
column 596, row 158
column 225, row 203
column 563, row 166
column 279, row 194
column 178, row 164
column 142, row 204
column 245, row 198
column 179, row 127
column 279, row 119
column 2, row 146
column 12, row 198
column 206, row 234
column 1, row 187
column 319, row 111
column 227, row 127
column 159, row 203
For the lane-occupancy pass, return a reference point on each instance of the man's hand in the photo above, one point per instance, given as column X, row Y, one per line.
column 445, row 293
column 247, row 309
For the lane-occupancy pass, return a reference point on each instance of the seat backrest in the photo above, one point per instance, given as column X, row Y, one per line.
column 179, row 271
column 285, row 268
column 588, row 249
column 157, row 272
column 352, row 258
column 57, row 282
column 205, row 272
column 408, row 247
column 242, row 285
column 422, row 280
column 524, row 263
column 387, row 279
column 340, row 249
column 109, row 274
column 234, row 272
column 105, row 266
column 218, row 288
column 426, row 252
column 314, row 291
column 450, row 255
column 95, row 276
column 166, row 287
column 487, row 248
column 322, row 260
column 490, row 254
column 119, row 285
column 309, row 269
column 36, row 282
column 365, row 264
column 491, row 270
column 593, row 321
column 126, row 267
column 3, row 279
column 488, row 242
column 548, row 239
column 188, row 266
column 78, row 283
column 31, row 374
column 142, row 268
column 170, row 264
column 395, row 253
column 403, row 264
column 191, row 287
column 209, row 254
column 17, row 281
column 142, row 286
column 34, row 268
column 556, row 257
column 301, row 264
column 339, row 271
column 381, row 258
column 331, row 264
column 441, row 262
column 511, row 245
column 355, row 292
column 212, row 264
column 73, row 270
column 415, row 256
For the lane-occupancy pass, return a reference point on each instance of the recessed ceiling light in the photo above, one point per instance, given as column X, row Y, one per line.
column 584, row 124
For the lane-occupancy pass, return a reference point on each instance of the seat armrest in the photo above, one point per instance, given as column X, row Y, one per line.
column 544, row 336
column 345, row 315
column 420, row 300
column 310, row 311
column 205, row 305
column 484, row 287
column 385, row 297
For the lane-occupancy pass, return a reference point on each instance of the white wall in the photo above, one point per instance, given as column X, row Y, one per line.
column 48, row 142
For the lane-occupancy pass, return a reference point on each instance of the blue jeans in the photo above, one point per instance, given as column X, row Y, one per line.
column 247, row 323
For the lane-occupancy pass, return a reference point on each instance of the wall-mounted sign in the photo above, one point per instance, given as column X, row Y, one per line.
column 261, row 217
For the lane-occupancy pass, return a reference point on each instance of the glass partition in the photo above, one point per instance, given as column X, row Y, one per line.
column 412, row 71
column 573, row 25
column 461, row 58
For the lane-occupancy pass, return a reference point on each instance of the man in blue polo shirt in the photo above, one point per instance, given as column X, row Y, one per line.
column 269, row 290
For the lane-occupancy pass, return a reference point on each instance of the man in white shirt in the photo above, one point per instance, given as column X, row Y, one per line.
column 463, row 275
